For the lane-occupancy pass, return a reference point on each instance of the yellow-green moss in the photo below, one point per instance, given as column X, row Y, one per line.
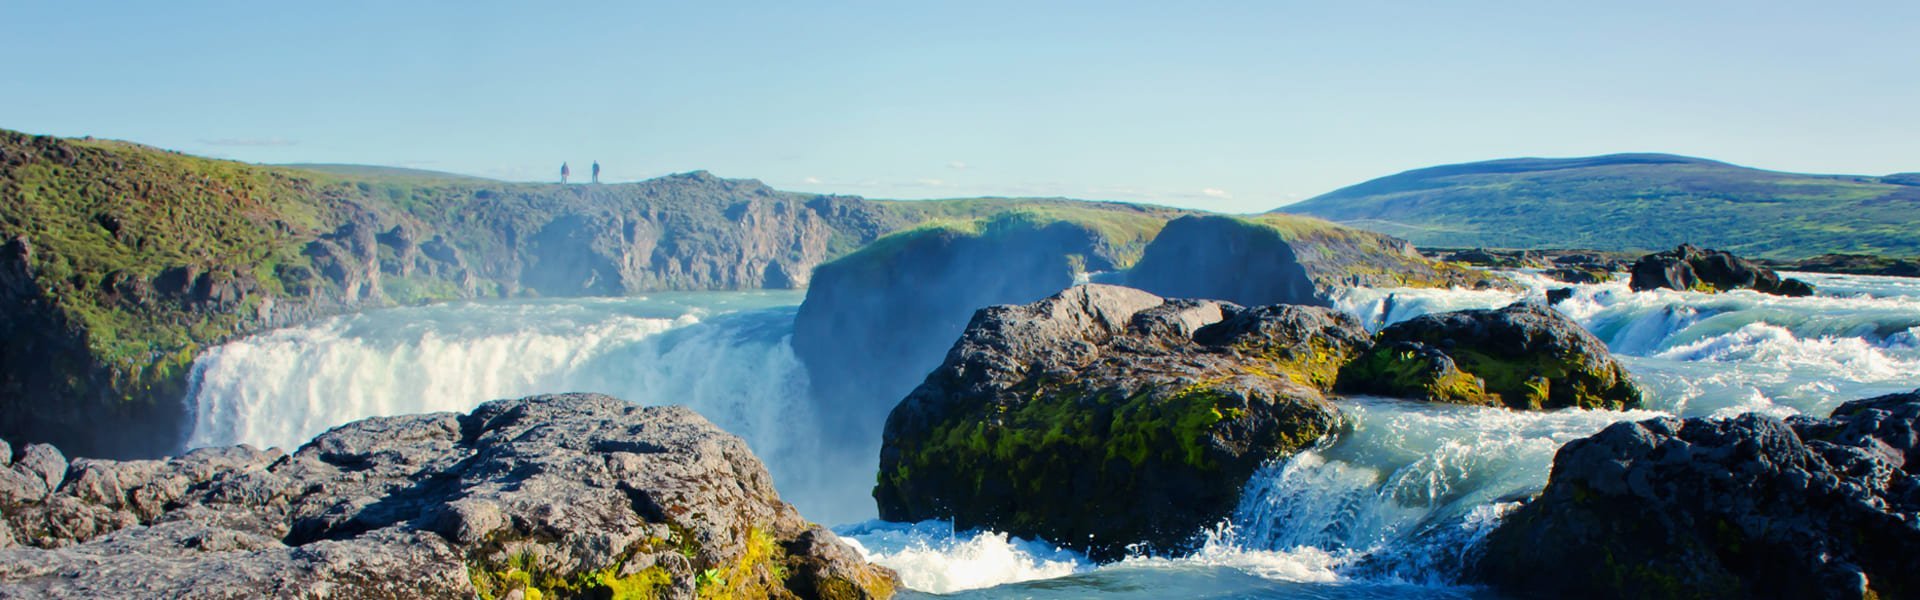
column 520, row 572
column 753, row 576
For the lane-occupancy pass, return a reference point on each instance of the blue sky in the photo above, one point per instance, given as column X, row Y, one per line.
column 1235, row 107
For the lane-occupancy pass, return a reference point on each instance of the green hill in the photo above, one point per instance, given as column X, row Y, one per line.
column 1634, row 202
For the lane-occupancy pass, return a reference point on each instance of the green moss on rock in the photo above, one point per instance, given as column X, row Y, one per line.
column 1105, row 417
column 1524, row 357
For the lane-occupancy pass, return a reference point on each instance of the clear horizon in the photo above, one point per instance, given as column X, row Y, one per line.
column 1234, row 108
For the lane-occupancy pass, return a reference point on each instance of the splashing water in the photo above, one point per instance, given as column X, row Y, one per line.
column 932, row 557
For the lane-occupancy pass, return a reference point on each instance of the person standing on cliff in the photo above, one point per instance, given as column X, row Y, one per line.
column 596, row 171
column 564, row 172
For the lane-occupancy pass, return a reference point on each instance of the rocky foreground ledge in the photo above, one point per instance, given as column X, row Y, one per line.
column 1749, row 507
column 541, row 497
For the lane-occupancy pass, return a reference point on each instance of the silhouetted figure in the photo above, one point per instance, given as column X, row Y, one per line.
column 596, row 171
column 564, row 172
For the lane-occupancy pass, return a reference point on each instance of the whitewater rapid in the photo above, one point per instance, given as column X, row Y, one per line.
column 1387, row 508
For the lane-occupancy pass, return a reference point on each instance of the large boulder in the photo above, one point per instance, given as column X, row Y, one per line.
column 568, row 496
column 1283, row 259
column 1690, row 268
column 1524, row 356
column 1105, row 416
column 1752, row 506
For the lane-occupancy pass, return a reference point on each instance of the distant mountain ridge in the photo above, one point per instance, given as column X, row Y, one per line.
column 383, row 172
column 1633, row 202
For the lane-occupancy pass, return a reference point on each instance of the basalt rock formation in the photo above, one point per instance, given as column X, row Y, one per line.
column 573, row 496
column 1690, row 268
column 1747, row 507
column 1524, row 356
column 1105, row 416
column 1283, row 259
column 876, row 321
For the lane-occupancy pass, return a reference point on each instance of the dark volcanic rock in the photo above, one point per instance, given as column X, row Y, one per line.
column 578, row 495
column 1748, row 507
column 1579, row 274
column 1690, row 268
column 1105, row 416
column 1524, row 356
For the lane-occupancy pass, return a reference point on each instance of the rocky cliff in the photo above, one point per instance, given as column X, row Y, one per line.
column 119, row 262
column 876, row 321
column 1286, row 259
column 574, row 496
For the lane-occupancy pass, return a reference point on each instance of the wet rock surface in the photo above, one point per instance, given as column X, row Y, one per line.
column 1690, row 268
column 569, row 495
column 1524, row 356
column 1105, row 416
column 1752, row 506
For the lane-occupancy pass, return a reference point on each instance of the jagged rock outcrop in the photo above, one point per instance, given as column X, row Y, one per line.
column 1105, row 416
column 1524, row 356
column 1690, row 268
column 1747, row 507
column 1282, row 259
column 571, row 495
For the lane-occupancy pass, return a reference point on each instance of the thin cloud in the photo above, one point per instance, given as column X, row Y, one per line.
column 932, row 182
column 957, row 165
column 1215, row 193
column 251, row 142
column 812, row 181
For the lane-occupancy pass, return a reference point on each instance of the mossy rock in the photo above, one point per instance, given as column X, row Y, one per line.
column 1105, row 416
column 1524, row 356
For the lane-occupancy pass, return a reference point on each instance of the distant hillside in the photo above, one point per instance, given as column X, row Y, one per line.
column 1634, row 202
column 385, row 173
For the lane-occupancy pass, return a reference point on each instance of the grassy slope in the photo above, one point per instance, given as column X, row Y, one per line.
column 1124, row 229
column 101, row 212
column 1633, row 203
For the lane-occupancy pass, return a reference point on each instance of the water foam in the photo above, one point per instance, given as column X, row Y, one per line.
column 932, row 557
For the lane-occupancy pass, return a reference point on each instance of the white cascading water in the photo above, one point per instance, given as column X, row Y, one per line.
column 724, row 354
column 1386, row 509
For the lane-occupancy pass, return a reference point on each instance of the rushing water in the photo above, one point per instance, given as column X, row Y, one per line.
column 1386, row 510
